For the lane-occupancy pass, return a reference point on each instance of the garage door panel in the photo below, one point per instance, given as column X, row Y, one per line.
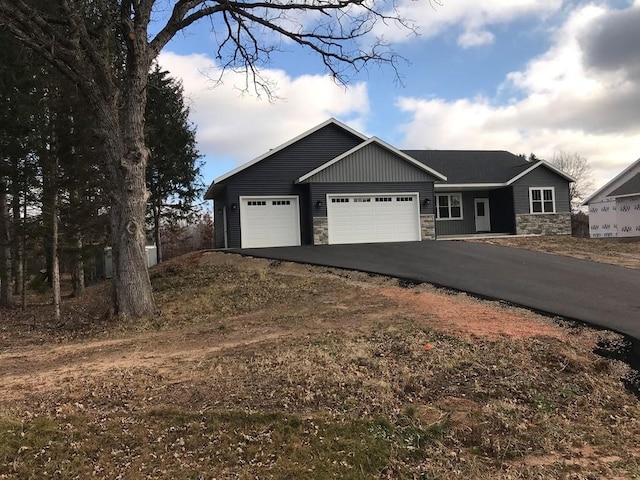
column 269, row 222
column 373, row 218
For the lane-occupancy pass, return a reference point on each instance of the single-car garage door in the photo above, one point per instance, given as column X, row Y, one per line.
column 269, row 221
column 373, row 218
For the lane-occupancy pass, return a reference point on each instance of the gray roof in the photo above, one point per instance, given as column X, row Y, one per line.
column 473, row 166
column 628, row 188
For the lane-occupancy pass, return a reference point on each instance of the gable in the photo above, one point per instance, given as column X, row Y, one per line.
column 284, row 164
column 371, row 162
column 545, row 170
column 617, row 182
column 631, row 187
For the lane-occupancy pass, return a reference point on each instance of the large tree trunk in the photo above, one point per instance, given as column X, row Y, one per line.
column 6, row 280
column 127, row 157
column 132, row 286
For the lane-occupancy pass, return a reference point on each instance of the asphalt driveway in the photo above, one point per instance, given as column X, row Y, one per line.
column 601, row 295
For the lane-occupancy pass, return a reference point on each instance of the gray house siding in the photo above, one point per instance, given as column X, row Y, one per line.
column 372, row 163
column 319, row 192
column 218, row 222
column 500, row 211
column 468, row 222
column 541, row 177
column 275, row 175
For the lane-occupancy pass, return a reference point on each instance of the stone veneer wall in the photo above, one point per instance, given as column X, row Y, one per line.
column 543, row 224
column 428, row 227
column 320, row 231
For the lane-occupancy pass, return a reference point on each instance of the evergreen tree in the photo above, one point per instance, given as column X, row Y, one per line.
column 173, row 171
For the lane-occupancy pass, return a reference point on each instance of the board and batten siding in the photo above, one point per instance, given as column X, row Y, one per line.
column 541, row 177
column 468, row 223
column 218, row 221
column 319, row 192
column 371, row 163
column 500, row 211
column 275, row 175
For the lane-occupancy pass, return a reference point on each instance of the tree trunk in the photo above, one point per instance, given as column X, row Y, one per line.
column 132, row 285
column 77, row 275
column 127, row 158
column 23, row 300
column 16, row 243
column 156, row 233
column 78, row 266
column 6, row 280
column 55, row 264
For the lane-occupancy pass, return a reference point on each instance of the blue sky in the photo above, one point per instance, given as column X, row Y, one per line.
column 527, row 76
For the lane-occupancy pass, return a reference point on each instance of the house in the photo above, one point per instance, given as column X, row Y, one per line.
column 333, row 185
column 614, row 209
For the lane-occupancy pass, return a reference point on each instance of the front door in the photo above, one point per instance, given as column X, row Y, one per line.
column 483, row 220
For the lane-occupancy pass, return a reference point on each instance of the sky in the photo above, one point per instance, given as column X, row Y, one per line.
column 526, row 76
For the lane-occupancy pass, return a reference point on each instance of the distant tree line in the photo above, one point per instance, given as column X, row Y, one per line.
column 54, row 210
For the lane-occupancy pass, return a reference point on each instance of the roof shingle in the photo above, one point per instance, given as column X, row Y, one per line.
column 472, row 166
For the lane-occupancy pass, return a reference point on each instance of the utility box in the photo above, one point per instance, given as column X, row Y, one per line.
column 109, row 270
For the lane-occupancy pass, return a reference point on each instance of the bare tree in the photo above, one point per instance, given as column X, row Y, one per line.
column 576, row 166
column 106, row 48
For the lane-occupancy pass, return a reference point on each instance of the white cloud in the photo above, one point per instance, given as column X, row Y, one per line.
column 561, row 105
column 235, row 124
column 475, row 38
column 472, row 17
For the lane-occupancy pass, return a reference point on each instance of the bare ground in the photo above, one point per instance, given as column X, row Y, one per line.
column 259, row 369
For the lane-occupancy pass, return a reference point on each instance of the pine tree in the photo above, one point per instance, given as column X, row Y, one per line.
column 173, row 171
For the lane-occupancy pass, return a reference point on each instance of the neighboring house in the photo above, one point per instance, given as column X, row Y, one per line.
column 614, row 209
column 333, row 184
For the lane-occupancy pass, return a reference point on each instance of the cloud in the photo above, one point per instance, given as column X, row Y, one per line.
column 233, row 123
column 611, row 45
column 470, row 19
column 568, row 98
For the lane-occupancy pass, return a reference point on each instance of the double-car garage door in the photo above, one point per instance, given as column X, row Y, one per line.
column 373, row 218
column 352, row 218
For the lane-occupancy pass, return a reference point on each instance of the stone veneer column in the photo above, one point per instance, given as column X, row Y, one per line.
column 543, row 224
column 320, row 231
column 428, row 227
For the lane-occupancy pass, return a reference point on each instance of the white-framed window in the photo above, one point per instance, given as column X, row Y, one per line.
column 449, row 206
column 542, row 200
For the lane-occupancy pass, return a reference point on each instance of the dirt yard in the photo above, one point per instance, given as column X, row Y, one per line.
column 260, row 369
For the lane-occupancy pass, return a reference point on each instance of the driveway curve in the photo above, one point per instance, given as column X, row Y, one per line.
column 602, row 295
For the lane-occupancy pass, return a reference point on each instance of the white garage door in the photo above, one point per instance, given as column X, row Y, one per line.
column 373, row 218
column 269, row 221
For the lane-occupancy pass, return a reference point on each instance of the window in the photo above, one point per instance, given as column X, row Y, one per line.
column 449, row 206
column 542, row 200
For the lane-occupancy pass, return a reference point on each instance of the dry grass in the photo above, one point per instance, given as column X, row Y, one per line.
column 258, row 369
column 624, row 254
